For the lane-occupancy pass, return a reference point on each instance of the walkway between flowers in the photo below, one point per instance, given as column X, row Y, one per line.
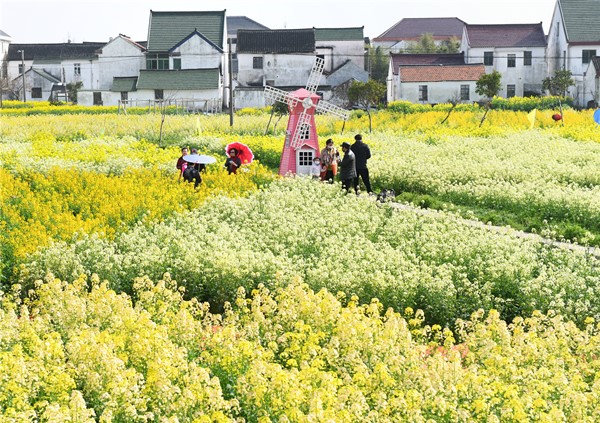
column 594, row 251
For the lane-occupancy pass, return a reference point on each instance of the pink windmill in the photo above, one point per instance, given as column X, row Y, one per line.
column 301, row 143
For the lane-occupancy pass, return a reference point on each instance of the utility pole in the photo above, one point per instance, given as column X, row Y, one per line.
column 230, row 84
column 23, row 73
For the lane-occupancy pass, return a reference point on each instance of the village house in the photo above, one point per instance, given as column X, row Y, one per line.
column 48, row 67
column 408, row 31
column 517, row 51
column 405, row 83
column 573, row 42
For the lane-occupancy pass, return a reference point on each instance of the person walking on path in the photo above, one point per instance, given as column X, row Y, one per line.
column 362, row 152
column 348, row 168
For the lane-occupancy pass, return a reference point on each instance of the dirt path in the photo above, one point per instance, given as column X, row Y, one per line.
column 595, row 251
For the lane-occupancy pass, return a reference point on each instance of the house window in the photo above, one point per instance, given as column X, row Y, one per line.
column 464, row 92
column 177, row 63
column 305, row 158
column 157, row 61
column 159, row 94
column 77, row 68
column 124, row 95
column 97, row 98
column 527, row 58
column 488, row 58
column 21, row 68
column 36, row 93
column 586, row 56
column 422, row 92
column 511, row 60
column 257, row 63
column 511, row 90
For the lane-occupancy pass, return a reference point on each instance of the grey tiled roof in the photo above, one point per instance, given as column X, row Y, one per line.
column 276, row 41
column 339, row 34
column 581, row 19
column 509, row 35
column 54, row 52
column 124, row 83
column 185, row 79
column 445, row 59
column 241, row 22
column 167, row 29
column 414, row 28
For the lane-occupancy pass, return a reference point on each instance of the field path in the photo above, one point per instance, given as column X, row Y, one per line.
column 595, row 251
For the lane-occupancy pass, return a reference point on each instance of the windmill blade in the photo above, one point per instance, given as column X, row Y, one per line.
column 315, row 75
column 332, row 109
column 275, row 94
column 297, row 141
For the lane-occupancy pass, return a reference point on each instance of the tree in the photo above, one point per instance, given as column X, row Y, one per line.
column 366, row 95
column 426, row 44
column 488, row 85
column 72, row 88
column 559, row 83
column 280, row 109
column 378, row 64
column 451, row 45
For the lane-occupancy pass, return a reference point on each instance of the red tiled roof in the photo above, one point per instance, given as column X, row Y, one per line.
column 510, row 35
column 441, row 73
column 426, row 59
column 414, row 28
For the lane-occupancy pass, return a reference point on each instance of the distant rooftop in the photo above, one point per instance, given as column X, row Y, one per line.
column 234, row 23
column 414, row 28
column 59, row 51
column 441, row 73
column 581, row 19
column 276, row 41
column 508, row 35
column 426, row 59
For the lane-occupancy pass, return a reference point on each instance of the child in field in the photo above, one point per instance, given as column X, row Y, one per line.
column 316, row 169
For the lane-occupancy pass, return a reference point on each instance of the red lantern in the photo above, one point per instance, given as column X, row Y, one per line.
column 557, row 116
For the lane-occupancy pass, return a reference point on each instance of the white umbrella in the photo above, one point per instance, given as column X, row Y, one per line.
column 199, row 158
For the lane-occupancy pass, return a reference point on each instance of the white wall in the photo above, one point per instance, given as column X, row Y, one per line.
column 283, row 69
column 118, row 58
column 437, row 92
column 196, row 53
column 337, row 52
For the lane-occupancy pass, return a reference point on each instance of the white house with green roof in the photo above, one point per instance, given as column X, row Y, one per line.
column 185, row 58
column 573, row 42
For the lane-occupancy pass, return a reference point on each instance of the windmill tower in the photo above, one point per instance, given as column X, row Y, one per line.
column 301, row 142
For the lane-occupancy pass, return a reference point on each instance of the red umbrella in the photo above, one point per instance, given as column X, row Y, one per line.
column 243, row 151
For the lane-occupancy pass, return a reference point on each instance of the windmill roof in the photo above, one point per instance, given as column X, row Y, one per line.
column 507, row 35
column 124, row 83
column 581, row 19
column 426, row 59
column 440, row 73
column 54, row 52
column 339, row 34
column 167, row 29
column 276, row 41
column 184, row 79
column 235, row 23
column 414, row 28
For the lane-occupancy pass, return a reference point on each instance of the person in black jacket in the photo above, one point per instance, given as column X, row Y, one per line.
column 362, row 152
column 348, row 168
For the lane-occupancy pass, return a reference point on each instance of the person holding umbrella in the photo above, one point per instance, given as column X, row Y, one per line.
column 233, row 161
column 196, row 163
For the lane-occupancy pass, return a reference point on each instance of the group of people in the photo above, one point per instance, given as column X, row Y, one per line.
column 190, row 171
column 353, row 165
